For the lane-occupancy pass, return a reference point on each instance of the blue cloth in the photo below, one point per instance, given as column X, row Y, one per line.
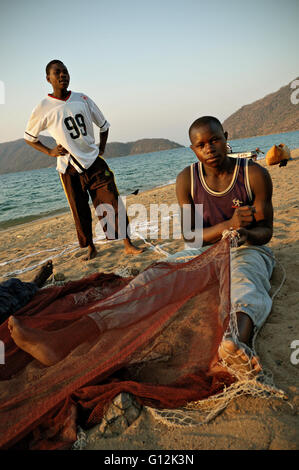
column 15, row 294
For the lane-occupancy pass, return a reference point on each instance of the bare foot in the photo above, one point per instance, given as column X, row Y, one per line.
column 35, row 342
column 131, row 249
column 238, row 360
column 44, row 273
column 92, row 253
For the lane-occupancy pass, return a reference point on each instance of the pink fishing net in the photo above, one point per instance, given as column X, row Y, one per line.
column 160, row 333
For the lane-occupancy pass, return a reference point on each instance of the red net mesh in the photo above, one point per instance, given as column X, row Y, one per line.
column 161, row 332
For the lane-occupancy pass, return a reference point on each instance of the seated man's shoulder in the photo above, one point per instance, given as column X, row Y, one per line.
column 258, row 171
column 183, row 184
column 184, row 175
column 256, row 167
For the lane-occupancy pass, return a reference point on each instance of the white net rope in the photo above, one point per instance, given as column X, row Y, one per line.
column 203, row 411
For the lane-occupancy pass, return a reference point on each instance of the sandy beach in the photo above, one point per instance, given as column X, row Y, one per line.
column 248, row 422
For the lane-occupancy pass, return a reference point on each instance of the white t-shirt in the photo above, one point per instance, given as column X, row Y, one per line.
column 70, row 123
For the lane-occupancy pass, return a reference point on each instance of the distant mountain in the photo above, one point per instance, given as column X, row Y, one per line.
column 118, row 149
column 272, row 114
column 18, row 156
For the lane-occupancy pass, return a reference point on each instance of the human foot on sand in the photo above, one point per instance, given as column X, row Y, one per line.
column 35, row 342
column 131, row 249
column 91, row 253
column 238, row 359
column 43, row 274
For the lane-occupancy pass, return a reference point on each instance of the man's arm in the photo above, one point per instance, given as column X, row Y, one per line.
column 55, row 152
column 36, row 124
column 103, row 141
column 99, row 120
column 260, row 231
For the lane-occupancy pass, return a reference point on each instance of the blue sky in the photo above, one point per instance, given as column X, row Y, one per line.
column 151, row 66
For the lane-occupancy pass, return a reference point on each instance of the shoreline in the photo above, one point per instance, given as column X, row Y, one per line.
column 62, row 212
column 12, row 223
column 33, row 219
column 59, row 212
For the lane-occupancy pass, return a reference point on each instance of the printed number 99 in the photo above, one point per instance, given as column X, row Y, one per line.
column 72, row 125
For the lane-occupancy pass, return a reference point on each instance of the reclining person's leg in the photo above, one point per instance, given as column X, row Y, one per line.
column 50, row 347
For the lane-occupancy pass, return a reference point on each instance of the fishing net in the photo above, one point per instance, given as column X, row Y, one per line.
column 160, row 334
column 260, row 385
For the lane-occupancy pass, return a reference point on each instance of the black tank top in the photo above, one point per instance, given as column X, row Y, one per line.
column 220, row 206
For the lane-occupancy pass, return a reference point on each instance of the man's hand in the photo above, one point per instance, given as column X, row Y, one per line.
column 58, row 151
column 243, row 217
column 243, row 236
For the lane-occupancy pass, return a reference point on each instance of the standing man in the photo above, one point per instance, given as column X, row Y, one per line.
column 69, row 118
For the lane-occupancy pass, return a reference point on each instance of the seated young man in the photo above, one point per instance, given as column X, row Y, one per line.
column 236, row 194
